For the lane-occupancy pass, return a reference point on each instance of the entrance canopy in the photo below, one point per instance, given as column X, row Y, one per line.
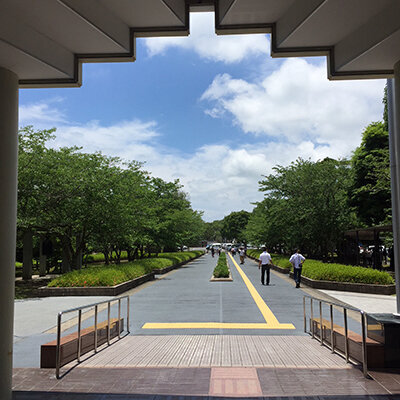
column 368, row 234
column 44, row 42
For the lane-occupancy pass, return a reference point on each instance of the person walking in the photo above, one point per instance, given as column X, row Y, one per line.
column 241, row 254
column 212, row 251
column 264, row 263
column 297, row 260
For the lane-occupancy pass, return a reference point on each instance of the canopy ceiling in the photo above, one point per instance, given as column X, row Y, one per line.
column 45, row 41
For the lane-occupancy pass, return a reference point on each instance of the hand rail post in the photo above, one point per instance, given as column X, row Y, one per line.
column 304, row 314
column 108, row 321
column 364, row 345
column 119, row 319
column 58, row 348
column 332, row 336
column 320, row 322
column 96, row 325
column 95, row 328
column 79, row 335
column 312, row 317
column 346, row 335
column 127, row 314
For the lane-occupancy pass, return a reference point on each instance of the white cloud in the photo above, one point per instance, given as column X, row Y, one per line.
column 41, row 112
column 293, row 112
column 130, row 140
column 296, row 103
column 204, row 41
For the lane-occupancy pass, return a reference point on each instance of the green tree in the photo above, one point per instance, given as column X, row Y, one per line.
column 212, row 231
column 234, row 224
column 370, row 191
column 309, row 208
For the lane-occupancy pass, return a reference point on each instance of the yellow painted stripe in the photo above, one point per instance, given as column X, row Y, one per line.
column 213, row 325
column 268, row 315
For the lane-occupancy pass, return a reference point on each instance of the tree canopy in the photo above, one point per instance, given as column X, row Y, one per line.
column 94, row 202
column 305, row 206
column 370, row 191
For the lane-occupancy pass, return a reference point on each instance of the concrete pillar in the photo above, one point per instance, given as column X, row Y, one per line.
column 27, row 255
column 8, row 221
column 394, row 148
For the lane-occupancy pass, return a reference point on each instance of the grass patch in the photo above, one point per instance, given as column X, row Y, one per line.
column 320, row 271
column 221, row 270
column 111, row 275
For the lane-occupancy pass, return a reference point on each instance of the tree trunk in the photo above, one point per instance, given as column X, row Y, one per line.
column 79, row 251
column 27, row 255
column 106, row 256
column 66, row 264
column 42, row 259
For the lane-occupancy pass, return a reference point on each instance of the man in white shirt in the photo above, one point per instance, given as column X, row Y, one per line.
column 264, row 263
column 241, row 254
column 297, row 261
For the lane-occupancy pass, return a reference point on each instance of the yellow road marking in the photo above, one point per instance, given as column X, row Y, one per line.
column 212, row 325
column 266, row 312
column 270, row 320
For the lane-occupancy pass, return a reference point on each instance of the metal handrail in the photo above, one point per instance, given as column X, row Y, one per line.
column 96, row 308
column 346, row 342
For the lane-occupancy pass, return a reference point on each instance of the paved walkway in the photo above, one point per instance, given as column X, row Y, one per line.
column 160, row 383
column 193, row 337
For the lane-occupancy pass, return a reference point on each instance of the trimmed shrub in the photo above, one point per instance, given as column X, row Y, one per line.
column 111, row 275
column 344, row 273
column 320, row 271
column 221, row 270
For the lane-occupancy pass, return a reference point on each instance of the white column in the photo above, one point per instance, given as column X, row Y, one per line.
column 8, row 220
column 394, row 148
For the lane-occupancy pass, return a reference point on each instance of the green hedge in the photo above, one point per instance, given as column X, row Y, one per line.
column 320, row 271
column 179, row 257
column 344, row 273
column 221, row 270
column 111, row 275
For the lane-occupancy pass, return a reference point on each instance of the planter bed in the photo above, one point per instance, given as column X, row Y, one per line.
column 172, row 267
column 348, row 286
column 228, row 279
column 340, row 286
column 95, row 290
column 107, row 290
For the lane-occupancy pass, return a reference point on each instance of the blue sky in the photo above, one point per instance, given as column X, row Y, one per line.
column 215, row 112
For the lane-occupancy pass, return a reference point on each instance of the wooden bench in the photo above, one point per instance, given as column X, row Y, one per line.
column 69, row 343
column 375, row 350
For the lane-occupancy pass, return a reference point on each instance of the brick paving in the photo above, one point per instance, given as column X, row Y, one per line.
column 204, row 382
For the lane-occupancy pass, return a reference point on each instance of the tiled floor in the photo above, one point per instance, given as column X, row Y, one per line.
column 241, row 382
column 220, row 382
column 220, row 366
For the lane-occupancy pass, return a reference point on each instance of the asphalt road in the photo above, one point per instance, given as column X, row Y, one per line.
column 183, row 301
